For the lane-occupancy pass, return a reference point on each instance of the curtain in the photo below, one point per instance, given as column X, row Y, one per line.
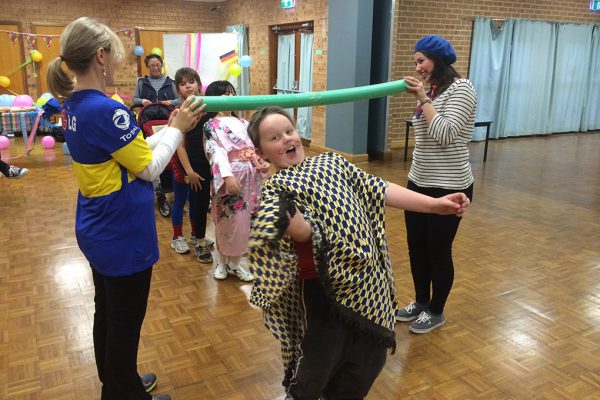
column 535, row 77
column 571, row 77
column 490, row 58
column 242, row 50
column 304, row 123
column 286, row 67
column 529, row 81
column 590, row 119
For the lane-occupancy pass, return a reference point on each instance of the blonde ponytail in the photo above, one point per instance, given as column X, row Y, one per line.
column 61, row 85
column 78, row 44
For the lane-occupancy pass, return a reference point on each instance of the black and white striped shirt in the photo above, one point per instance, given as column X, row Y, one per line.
column 441, row 155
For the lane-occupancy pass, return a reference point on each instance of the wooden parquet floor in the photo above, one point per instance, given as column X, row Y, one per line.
column 523, row 319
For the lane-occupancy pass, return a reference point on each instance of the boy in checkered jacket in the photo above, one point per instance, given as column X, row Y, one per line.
column 319, row 256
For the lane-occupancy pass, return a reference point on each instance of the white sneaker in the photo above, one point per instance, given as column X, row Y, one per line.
column 180, row 245
column 193, row 241
column 220, row 272
column 241, row 273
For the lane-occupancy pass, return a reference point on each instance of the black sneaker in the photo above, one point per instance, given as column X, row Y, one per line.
column 203, row 253
column 16, row 172
column 149, row 381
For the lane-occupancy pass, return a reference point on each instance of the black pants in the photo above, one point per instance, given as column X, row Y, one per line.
column 120, row 310
column 430, row 238
column 337, row 362
column 200, row 201
column 4, row 167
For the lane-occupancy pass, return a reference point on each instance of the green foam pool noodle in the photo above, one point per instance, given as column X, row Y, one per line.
column 238, row 103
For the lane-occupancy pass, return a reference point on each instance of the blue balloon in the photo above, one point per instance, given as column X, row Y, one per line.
column 138, row 51
column 245, row 61
column 6, row 100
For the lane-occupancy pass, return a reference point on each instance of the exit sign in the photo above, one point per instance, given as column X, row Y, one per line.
column 594, row 5
column 288, row 3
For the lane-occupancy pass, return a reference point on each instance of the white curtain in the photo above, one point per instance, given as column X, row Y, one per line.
column 242, row 40
column 286, row 67
column 304, row 123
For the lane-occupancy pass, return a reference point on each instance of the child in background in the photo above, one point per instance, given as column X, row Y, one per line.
column 321, row 268
column 193, row 178
column 237, row 180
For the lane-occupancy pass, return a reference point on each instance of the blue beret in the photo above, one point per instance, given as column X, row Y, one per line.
column 438, row 47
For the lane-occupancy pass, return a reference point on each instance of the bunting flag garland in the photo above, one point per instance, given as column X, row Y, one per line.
column 47, row 40
column 129, row 33
column 13, row 38
column 30, row 40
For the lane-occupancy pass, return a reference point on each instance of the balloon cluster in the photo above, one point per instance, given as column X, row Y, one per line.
column 235, row 69
column 34, row 56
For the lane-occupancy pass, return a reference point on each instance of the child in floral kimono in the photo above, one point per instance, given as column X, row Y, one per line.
column 321, row 267
column 237, row 175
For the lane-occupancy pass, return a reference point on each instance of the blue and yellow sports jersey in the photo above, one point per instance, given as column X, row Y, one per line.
column 115, row 223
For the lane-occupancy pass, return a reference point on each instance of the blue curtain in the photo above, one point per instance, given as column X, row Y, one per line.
column 286, row 68
column 590, row 120
column 304, row 123
column 242, row 37
column 490, row 58
column 535, row 77
column 571, row 77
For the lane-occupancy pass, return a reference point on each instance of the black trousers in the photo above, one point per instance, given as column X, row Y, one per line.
column 200, row 201
column 120, row 310
column 430, row 238
column 3, row 167
column 337, row 362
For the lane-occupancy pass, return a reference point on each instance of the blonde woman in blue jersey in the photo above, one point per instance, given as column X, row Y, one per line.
column 115, row 223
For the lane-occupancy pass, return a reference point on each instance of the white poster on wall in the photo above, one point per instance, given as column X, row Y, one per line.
column 174, row 52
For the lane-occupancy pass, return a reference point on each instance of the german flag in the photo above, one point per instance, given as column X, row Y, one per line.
column 229, row 57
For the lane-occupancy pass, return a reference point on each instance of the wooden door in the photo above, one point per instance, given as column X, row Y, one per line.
column 49, row 53
column 11, row 56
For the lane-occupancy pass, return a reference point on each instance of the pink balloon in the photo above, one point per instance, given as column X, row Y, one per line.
column 4, row 142
column 48, row 142
column 23, row 100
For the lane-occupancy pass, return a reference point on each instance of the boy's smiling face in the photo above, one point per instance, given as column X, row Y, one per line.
column 280, row 143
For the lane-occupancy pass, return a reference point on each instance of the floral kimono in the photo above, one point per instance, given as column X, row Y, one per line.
column 231, row 153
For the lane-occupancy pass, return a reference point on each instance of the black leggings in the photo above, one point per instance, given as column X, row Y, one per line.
column 199, row 200
column 3, row 167
column 430, row 238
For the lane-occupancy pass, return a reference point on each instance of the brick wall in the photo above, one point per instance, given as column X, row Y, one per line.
column 259, row 15
column 453, row 20
column 414, row 19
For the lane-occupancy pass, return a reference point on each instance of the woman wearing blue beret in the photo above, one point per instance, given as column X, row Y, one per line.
column 443, row 122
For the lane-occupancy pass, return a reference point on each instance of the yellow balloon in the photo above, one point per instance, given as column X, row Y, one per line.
column 4, row 81
column 234, row 69
column 36, row 56
column 157, row 51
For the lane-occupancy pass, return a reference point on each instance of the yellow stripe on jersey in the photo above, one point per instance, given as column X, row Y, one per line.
column 96, row 180
column 136, row 155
